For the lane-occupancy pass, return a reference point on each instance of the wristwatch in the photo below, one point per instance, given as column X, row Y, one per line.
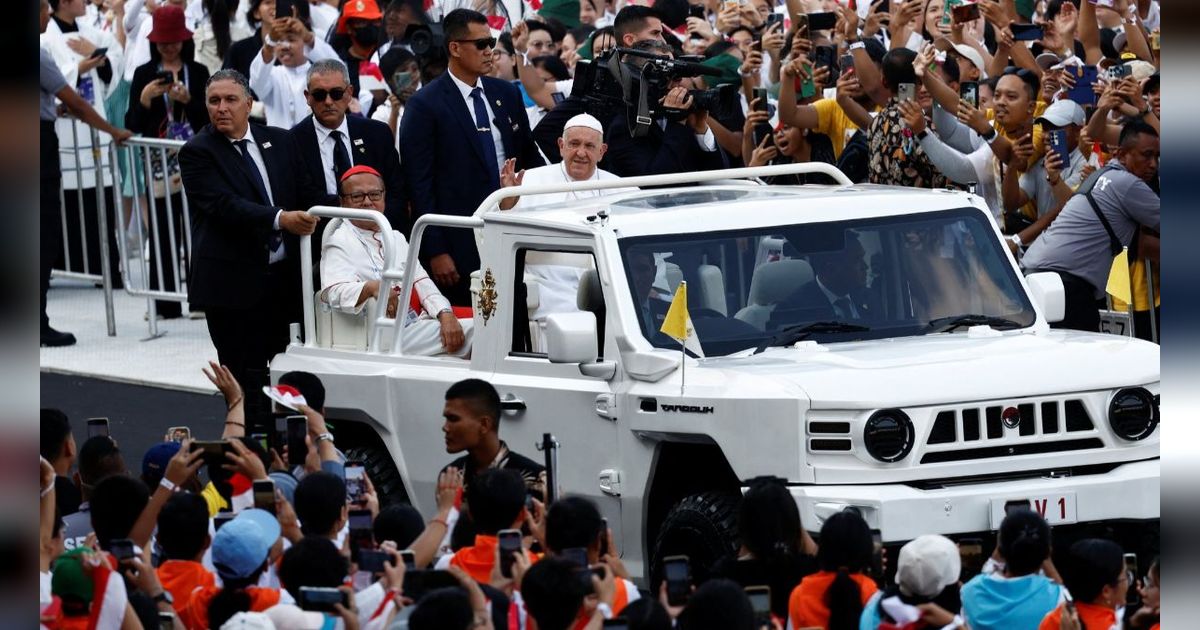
column 324, row 436
column 921, row 136
column 991, row 135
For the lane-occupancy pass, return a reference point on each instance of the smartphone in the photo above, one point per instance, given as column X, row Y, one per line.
column 221, row 518
column 322, row 598
column 264, row 495
column 283, row 8
column 965, row 13
column 969, row 92
column 1131, row 572
column 122, row 549
column 846, row 63
column 297, row 428
column 1056, row 141
column 1119, row 71
column 178, row 434
column 603, row 537
column 760, row 94
column 1085, row 78
column 372, row 560
column 1026, row 32
column 970, row 550
column 772, row 19
column 213, row 453
column 98, row 53
column 97, row 426
column 801, row 23
column 356, row 485
column 947, row 7
column 808, row 87
column 166, row 620
column 696, row 11
column 826, row 56
column 417, row 583
column 1018, row 504
column 907, row 92
column 409, row 559
column 164, row 76
column 578, row 555
column 510, row 543
column 678, row 574
column 263, row 440
column 760, row 603
column 877, row 554
column 822, row 21
column 616, row 624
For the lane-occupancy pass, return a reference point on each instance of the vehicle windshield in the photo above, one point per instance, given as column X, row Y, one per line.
column 858, row 279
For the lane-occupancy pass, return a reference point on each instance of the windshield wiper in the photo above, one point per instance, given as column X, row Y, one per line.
column 789, row 335
column 946, row 324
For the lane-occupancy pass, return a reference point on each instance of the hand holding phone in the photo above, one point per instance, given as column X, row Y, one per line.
column 760, row 603
column 322, row 598
column 969, row 92
column 510, row 543
column 907, row 92
column 678, row 574
column 297, row 430
column 97, row 427
column 356, row 485
column 122, row 549
column 264, row 495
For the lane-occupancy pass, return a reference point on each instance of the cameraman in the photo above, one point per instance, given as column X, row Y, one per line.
column 675, row 143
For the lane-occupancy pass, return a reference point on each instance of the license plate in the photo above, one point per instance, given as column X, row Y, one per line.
column 1057, row 508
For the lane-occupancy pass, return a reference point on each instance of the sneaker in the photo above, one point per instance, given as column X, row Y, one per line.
column 53, row 338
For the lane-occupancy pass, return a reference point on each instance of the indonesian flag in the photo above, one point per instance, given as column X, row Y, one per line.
column 496, row 24
column 535, row 5
column 108, row 603
column 370, row 77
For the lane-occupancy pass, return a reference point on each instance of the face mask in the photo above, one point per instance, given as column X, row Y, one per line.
column 367, row 35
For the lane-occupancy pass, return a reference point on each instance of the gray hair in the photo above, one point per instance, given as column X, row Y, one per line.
column 325, row 66
column 229, row 74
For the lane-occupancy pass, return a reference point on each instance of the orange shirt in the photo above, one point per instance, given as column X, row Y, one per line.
column 195, row 614
column 479, row 559
column 1091, row 616
column 620, row 601
column 806, row 606
column 181, row 577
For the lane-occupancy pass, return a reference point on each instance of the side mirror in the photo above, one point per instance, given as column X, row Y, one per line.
column 1046, row 289
column 571, row 337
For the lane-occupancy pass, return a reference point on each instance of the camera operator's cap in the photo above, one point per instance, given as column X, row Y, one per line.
column 285, row 395
column 962, row 50
column 1062, row 113
column 584, row 120
column 926, row 565
column 728, row 65
column 154, row 462
column 241, row 546
column 360, row 10
column 249, row 621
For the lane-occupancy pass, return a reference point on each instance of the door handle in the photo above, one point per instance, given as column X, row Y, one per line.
column 510, row 402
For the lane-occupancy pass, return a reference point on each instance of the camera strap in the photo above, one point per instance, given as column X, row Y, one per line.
column 1114, row 243
column 642, row 119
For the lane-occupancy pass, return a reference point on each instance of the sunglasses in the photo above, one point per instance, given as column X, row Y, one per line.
column 483, row 43
column 319, row 94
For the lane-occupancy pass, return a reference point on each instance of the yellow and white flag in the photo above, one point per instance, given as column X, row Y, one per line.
column 678, row 324
column 1118, row 277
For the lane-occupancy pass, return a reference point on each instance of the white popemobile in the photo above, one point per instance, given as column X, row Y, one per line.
column 874, row 347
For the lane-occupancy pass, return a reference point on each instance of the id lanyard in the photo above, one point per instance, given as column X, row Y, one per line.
column 167, row 100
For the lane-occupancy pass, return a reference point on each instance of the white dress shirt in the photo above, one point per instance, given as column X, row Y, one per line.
column 834, row 301
column 325, row 142
column 278, row 253
column 491, row 113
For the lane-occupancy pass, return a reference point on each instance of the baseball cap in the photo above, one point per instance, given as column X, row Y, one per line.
column 1047, row 60
column 69, row 580
column 358, row 9
column 154, row 462
column 927, row 564
column 1063, row 113
column 962, row 50
column 242, row 545
column 249, row 621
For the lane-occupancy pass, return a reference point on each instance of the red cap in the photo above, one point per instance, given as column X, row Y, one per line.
column 358, row 9
column 359, row 170
column 169, row 26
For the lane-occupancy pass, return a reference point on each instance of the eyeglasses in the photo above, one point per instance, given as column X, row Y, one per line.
column 319, row 94
column 483, row 43
column 358, row 197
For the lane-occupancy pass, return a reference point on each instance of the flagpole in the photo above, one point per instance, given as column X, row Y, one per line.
column 682, row 367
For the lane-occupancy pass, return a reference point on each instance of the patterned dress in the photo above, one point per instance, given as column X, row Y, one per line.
column 896, row 157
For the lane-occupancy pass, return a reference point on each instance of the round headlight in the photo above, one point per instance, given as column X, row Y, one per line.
column 1133, row 414
column 888, row 435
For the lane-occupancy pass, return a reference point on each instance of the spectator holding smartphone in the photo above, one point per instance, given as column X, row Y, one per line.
column 1016, row 594
column 183, row 537
column 834, row 597
column 497, row 502
column 927, row 573
column 241, row 552
column 574, row 522
column 1094, row 573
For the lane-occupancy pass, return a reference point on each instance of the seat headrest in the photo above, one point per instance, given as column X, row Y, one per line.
column 775, row 281
column 589, row 297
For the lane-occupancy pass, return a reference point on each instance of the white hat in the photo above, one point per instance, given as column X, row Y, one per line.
column 1064, row 112
column 964, row 51
column 1048, row 60
column 249, row 621
column 927, row 565
column 584, row 120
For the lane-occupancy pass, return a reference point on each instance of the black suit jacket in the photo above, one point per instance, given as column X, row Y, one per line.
column 443, row 158
column 660, row 151
column 372, row 144
column 809, row 303
column 231, row 224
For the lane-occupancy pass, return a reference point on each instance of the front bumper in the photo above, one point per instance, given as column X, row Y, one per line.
column 901, row 512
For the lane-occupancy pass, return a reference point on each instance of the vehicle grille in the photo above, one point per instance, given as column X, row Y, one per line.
column 972, row 433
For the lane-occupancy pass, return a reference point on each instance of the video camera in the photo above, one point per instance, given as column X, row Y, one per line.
column 426, row 40
column 611, row 82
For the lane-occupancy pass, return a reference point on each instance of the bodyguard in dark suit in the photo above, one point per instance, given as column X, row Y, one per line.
column 331, row 142
column 248, row 190
column 455, row 136
column 837, row 292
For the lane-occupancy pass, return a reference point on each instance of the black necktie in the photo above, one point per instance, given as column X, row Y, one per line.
column 341, row 157
column 243, row 146
column 485, row 133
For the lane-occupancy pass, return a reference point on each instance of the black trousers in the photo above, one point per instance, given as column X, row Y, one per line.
column 1082, row 308
column 247, row 339
column 50, row 233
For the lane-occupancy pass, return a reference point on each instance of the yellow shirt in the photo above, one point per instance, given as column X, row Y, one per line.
column 1039, row 148
column 1139, row 289
column 213, row 498
column 834, row 122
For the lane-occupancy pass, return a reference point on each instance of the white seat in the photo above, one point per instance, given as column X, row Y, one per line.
column 343, row 331
column 712, row 289
column 772, row 283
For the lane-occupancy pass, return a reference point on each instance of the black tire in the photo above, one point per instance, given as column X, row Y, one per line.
column 702, row 527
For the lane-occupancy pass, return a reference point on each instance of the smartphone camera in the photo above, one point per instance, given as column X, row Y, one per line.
column 510, row 544
column 678, row 574
column 264, row 495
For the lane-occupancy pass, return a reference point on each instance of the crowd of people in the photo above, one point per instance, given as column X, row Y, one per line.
column 240, row 533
